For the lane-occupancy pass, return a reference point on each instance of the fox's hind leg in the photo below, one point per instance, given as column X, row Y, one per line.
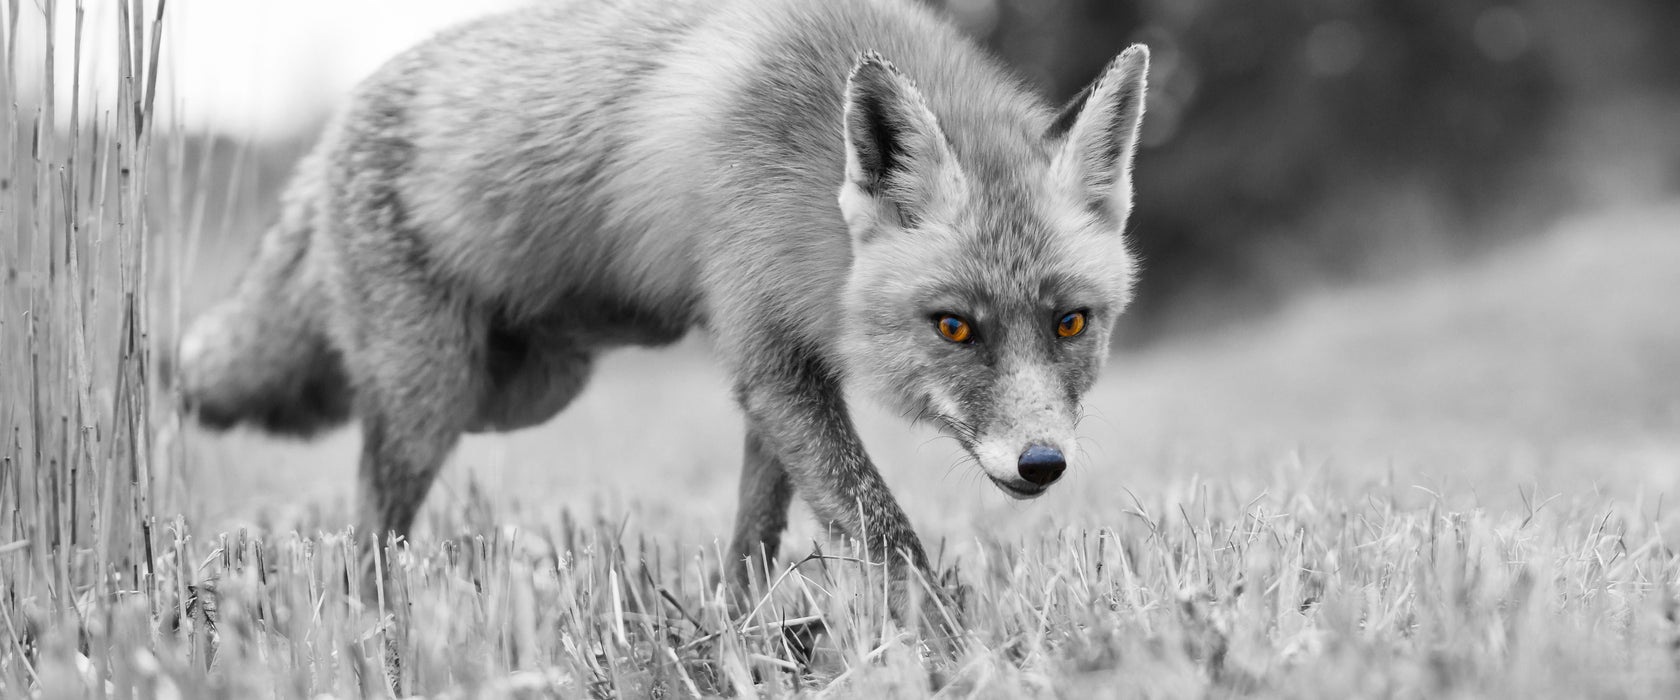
column 415, row 353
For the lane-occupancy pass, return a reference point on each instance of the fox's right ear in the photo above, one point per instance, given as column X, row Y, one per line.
column 898, row 164
column 1098, row 132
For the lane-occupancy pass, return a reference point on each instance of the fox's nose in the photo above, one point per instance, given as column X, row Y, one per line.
column 1042, row 465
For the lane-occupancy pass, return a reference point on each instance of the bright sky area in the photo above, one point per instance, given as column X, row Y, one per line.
column 249, row 67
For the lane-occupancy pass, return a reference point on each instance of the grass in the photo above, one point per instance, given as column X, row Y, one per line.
column 1278, row 594
column 1530, row 395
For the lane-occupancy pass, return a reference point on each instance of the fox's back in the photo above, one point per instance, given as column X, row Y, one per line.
column 660, row 152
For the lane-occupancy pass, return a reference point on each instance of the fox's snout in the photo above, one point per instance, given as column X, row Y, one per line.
column 1042, row 465
column 1021, row 472
column 1036, row 469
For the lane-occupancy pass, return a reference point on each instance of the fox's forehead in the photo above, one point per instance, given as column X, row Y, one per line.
column 1023, row 206
column 979, row 289
column 1016, row 243
column 1027, row 268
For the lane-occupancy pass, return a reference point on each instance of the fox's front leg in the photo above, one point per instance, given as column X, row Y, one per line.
column 801, row 432
column 761, row 513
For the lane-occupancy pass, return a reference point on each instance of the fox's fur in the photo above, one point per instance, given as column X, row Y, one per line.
column 813, row 183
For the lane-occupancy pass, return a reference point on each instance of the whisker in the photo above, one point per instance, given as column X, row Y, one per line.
column 963, row 431
column 921, row 415
column 1086, row 413
column 951, row 468
column 1084, row 454
column 1081, row 440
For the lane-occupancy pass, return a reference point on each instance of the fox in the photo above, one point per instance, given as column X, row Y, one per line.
column 848, row 196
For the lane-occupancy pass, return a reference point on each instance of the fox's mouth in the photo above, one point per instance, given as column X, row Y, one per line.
column 1019, row 492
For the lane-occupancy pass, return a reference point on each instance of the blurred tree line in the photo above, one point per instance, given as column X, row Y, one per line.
column 1324, row 139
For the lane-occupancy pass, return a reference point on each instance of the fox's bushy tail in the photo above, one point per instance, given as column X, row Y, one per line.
column 262, row 357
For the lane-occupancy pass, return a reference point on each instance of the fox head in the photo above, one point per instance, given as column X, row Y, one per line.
column 987, row 276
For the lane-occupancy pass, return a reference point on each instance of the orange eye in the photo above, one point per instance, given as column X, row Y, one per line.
column 1071, row 324
column 954, row 329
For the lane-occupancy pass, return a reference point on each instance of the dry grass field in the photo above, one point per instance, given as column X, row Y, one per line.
column 1451, row 483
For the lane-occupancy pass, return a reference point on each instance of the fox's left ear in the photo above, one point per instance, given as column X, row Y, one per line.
column 899, row 166
column 1098, row 131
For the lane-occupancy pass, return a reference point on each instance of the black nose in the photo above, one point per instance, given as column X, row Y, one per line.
column 1042, row 465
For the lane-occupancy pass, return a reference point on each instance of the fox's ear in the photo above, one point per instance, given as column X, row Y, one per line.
column 898, row 163
column 1098, row 131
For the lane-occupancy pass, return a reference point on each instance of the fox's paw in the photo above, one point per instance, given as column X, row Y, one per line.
column 934, row 610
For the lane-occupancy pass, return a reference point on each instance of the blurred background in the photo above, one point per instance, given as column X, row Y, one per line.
column 1419, row 242
column 1288, row 144
column 1328, row 140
